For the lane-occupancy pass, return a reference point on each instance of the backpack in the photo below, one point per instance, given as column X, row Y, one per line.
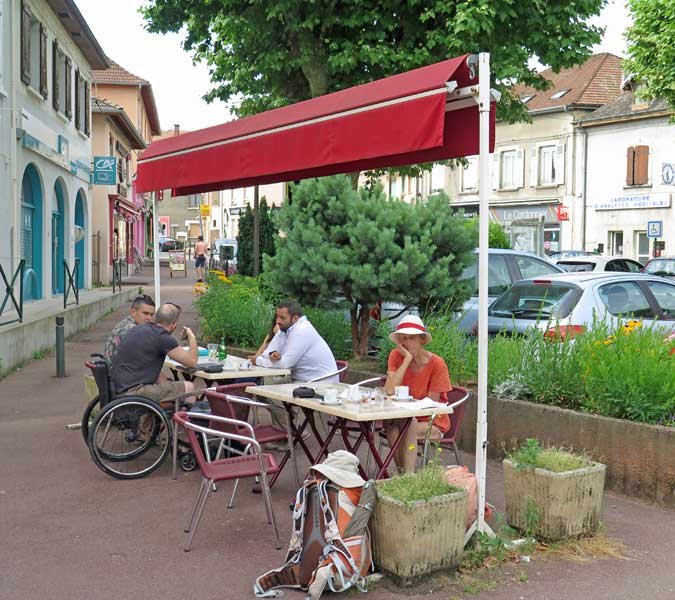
column 330, row 543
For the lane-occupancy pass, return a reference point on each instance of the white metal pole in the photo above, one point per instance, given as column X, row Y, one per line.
column 484, row 220
column 155, row 245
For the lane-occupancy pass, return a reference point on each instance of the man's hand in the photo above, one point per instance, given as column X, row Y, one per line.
column 189, row 334
column 253, row 358
column 275, row 356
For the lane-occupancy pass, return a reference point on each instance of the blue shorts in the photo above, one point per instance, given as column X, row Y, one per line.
column 200, row 261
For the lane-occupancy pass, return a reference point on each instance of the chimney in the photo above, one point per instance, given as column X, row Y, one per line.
column 176, row 129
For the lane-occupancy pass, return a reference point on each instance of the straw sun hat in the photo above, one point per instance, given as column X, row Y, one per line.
column 410, row 325
column 342, row 468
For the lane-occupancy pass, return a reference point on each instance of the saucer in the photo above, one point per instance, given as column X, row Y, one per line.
column 336, row 403
column 401, row 398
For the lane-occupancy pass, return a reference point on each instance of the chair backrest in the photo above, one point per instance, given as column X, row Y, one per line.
column 191, row 425
column 458, row 397
column 100, row 372
column 342, row 366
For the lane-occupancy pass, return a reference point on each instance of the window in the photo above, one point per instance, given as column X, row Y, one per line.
column 625, row 299
column 637, row 165
column 547, row 165
column 510, row 169
column 59, row 83
column 193, row 200
column 82, row 100
column 560, row 94
column 526, row 99
column 437, row 178
column 665, row 296
column 33, row 52
column 531, row 267
column 616, row 243
column 470, row 175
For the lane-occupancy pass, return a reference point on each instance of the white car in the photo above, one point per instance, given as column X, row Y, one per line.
column 612, row 264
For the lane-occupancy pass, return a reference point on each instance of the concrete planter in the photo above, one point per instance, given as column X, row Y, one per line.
column 567, row 504
column 413, row 540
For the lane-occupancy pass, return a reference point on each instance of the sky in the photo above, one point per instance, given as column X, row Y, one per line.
column 179, row 85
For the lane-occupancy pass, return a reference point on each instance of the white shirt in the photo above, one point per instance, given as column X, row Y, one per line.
column 303, row 351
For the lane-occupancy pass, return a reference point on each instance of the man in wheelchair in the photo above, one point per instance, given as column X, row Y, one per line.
column 137, row 366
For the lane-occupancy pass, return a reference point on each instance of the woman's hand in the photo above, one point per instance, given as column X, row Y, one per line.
column 404, row 353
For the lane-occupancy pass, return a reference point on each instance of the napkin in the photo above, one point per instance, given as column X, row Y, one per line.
column 419, row 404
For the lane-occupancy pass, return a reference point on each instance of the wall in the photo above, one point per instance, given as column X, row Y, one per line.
column 639, row 458
column 607, row 146
column 7, row 116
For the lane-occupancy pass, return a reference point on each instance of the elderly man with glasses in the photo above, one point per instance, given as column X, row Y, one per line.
column 142, row 310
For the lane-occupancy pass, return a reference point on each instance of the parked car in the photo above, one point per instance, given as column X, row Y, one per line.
column 556, row 254
column 166, row 244
column 570, row 301
column 662, row 265
column 613, row 264
column 504, row 268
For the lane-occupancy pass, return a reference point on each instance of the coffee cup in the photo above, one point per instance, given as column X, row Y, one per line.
column 330, row 396
column 401, row 391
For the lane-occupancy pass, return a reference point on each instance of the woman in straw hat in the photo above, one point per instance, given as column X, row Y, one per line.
column 426, row 375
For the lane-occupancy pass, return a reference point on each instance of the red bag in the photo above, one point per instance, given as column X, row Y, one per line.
column 463, row 478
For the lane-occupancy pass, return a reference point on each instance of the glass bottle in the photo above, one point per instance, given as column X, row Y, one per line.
column 222, row 350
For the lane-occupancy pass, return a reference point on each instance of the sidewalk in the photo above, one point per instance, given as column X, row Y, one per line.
column 71, row 532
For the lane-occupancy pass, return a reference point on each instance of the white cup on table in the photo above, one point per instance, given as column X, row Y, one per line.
column 330, row 396
column 401, row 391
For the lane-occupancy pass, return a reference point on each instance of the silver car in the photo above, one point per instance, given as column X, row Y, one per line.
column 664, row 266
column 614, row 264
column 571, row 301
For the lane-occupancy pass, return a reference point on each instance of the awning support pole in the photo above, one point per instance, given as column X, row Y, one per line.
column 483, row 227
column 155, row 248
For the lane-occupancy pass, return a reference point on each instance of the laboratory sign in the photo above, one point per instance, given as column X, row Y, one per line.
column 635, row 201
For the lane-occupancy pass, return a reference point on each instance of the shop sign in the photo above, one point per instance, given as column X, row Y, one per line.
column 635, row 201
column 507, row 214
column 562, row 212
column 236, row 211
column 105, row 170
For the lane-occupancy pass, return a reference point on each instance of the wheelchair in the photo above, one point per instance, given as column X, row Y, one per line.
column 129, row 436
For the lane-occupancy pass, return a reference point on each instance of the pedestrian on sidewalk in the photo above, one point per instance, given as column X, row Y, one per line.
column 142, row 310
column 200, row 257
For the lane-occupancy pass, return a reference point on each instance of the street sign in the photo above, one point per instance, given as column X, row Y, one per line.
column 105, row 170
column 204, row 210
column 654, row 229
column 667, row 173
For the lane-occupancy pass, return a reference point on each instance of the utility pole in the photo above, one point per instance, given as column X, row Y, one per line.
column 256, row 231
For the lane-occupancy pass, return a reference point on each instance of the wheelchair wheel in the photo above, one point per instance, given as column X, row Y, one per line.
column 188, row 462
column 130, row 437
column 88, row 417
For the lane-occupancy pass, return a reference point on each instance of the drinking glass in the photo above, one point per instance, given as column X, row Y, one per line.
column 212, row 348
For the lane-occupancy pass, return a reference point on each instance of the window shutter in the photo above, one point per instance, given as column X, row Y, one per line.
column 25, row 44
column 641, row 165
column 77, row 99
column 559, row 164
column 495, row 171
column 520, row 167
column 44, row 89
column 533, row 167
column 87, row 130
column 630, row 162
column 55, row 75
column 69, row 88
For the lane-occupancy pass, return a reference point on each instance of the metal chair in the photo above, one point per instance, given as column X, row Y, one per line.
column 341, row 367
column 457, row 399
column 253, row 464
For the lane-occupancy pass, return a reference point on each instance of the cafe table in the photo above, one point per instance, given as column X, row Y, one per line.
column 347, row 416
column 234, row 367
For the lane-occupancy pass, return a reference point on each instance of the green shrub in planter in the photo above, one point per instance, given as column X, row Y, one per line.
column 552, row 493
column 419, row 524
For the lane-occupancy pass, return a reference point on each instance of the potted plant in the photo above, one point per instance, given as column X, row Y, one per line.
column 552, row 493
column 418, row 524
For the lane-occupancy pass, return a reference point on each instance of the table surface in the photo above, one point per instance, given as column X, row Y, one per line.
column 351, row 411
column 234, row 373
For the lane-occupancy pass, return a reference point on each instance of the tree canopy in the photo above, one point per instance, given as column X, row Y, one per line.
column 651, row 48
column 262, row 55
column 268, row 232
column 340, row 245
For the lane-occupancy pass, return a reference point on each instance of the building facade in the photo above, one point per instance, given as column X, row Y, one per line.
column 630, row 178
column 47, row 53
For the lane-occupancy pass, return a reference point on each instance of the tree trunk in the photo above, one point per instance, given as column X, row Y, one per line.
column 360, row 317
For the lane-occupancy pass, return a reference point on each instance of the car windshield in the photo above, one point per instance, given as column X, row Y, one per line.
column 536, row 301
column 576, row 266
column 661, row 266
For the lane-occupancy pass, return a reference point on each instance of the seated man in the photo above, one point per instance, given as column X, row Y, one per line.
column 142, row 311
column 138, row 364
column 297, row 346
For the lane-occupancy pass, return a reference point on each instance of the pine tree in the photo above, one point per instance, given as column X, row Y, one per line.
column 268, row 232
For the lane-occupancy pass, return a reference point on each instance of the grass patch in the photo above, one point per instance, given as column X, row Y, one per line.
column 422, row 485
column 584, row 549
column 532, row 455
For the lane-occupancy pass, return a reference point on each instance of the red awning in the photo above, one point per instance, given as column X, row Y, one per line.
column 423, row 115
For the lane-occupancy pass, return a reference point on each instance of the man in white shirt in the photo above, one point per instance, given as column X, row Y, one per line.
column 298, row 347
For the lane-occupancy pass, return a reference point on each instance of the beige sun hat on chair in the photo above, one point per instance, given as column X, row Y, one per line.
column 342, row 468
column 410, row 325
